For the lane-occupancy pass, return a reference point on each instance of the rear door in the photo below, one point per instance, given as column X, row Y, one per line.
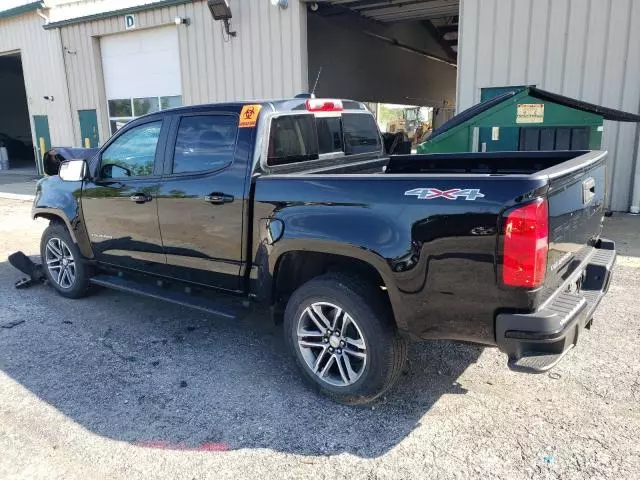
column 202, row 198
column 120, row 205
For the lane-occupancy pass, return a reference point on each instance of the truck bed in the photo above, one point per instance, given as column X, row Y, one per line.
column 485, row 163
column 442, row 253
column 491, row 163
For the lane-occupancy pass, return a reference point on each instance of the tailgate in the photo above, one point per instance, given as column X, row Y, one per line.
column 576, row 211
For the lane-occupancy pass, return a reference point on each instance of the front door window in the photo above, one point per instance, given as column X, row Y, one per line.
column 132, row 154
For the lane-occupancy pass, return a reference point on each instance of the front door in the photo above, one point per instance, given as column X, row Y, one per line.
column 201, row 200
column 120, row 204
column 89, row 128
column 43, row 139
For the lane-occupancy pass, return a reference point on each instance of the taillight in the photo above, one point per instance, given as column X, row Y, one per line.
column 526, row 243
column 324, row 105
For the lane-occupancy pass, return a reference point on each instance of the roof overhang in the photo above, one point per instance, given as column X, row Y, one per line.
column 388, row 11
column 113, row 13
column 19, row 10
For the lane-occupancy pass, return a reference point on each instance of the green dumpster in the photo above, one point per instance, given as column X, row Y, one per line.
column 524, row 118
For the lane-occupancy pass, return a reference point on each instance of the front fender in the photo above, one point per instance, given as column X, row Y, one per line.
column 60, row 199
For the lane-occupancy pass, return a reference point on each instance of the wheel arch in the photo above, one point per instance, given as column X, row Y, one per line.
column 56, row 215
column 294, row 267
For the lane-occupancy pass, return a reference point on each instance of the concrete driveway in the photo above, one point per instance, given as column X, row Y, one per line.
column 17, row 186
column 116, row 386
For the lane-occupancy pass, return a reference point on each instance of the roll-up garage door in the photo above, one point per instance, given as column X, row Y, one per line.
column 141, row 73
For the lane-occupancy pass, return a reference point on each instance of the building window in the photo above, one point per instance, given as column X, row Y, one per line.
column 123, row 110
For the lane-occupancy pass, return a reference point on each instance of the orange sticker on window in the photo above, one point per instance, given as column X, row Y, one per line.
column 249, row 116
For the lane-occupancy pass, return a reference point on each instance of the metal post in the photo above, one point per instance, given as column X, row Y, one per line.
column 635, row 186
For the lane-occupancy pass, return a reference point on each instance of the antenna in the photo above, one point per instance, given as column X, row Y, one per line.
column 316, row 84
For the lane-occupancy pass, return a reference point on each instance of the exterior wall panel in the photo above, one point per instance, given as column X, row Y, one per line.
column 587, row 49
column 43, row 71
column 267, row 58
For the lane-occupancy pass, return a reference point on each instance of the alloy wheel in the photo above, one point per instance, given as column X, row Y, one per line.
column 60, row 263
column 332, row 344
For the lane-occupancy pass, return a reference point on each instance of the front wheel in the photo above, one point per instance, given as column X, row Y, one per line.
column 342, row 336
column 63, row 263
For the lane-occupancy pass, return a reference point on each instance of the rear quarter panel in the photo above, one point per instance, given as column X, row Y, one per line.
column 437, row 257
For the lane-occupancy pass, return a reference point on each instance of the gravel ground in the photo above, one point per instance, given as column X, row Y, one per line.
column 115, row 386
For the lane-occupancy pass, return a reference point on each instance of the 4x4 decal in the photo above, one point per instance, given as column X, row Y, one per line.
column 451, row 194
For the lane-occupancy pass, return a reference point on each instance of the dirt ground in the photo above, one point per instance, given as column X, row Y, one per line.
column 116, row 386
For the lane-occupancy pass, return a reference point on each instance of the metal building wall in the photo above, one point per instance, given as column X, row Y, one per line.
column 267, row 58
column 43, row 70
column 61, row 10
column 587, row 49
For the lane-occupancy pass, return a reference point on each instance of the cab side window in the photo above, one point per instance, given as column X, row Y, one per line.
column 205, row 142
column 293, row 139
column 133, row 153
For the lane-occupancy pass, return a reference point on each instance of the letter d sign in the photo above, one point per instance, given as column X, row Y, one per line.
column 129, row 21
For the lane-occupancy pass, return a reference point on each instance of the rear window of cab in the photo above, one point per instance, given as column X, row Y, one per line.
column 299, row 138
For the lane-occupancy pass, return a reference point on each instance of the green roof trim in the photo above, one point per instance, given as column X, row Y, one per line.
column 29, row 7
column 115, row 13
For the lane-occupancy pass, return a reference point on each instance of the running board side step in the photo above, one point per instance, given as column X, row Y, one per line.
column 199, row 303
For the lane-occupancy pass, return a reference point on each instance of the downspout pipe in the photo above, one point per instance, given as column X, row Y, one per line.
column 634, row 208
column 43, row 16
column 635, row 192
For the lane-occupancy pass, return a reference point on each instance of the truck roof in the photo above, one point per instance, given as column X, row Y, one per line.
column 278, row 105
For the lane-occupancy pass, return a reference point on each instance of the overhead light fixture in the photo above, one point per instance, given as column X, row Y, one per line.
column 283, row 4
column 220, row 10
column 181, row 21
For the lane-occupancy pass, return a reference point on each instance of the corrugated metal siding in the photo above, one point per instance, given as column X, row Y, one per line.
column 267, row 59
column 43, row 71
column 68, row 9
column 587, row 49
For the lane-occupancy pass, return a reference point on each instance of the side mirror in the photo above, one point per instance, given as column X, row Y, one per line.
column 73, row 170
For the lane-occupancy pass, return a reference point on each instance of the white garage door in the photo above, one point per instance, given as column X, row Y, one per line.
column 141, row 73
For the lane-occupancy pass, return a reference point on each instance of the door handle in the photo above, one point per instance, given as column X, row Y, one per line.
column 588, row 190
column 140, row 198
column 218, row 198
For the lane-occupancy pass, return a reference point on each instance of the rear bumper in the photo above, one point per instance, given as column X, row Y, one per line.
column 536, row 342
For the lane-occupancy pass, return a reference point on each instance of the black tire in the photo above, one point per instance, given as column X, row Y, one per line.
column 386, row 350
column 78, row 288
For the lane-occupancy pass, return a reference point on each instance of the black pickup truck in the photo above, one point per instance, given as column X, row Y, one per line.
column 294, row 205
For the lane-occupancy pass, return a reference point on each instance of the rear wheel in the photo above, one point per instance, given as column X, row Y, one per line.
column 63, row 263
column 341, row 334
